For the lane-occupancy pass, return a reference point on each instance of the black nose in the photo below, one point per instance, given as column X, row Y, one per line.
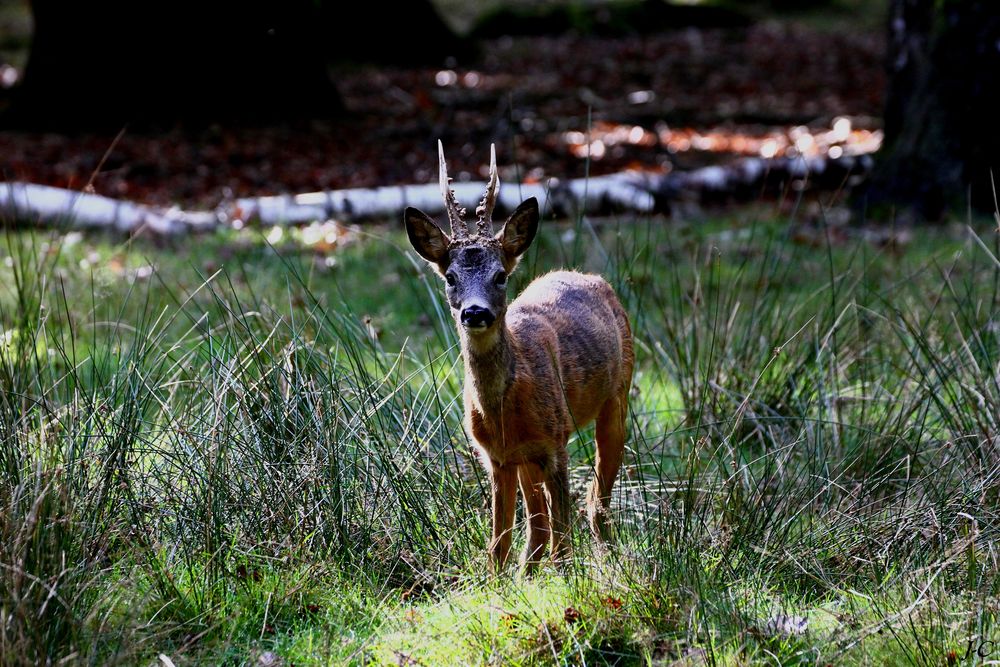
column 477, row 316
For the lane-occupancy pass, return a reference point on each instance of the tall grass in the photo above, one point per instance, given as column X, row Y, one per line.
column 210, row 465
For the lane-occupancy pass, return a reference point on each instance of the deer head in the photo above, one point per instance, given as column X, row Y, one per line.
column 473, row 261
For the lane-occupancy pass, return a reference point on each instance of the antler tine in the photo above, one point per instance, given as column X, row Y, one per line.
column 485, row 208
column 455, row 212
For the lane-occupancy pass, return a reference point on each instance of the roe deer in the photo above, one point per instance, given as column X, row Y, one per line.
column 558, row 357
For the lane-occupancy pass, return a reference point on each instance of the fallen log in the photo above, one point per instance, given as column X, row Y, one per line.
column 639, row 192
column 58, row 207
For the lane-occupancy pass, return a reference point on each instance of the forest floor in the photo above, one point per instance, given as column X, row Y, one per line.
column 556, row 107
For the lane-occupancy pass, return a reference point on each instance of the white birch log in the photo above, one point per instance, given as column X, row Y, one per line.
column 634, row 191
column 51, row 206
column 621, row 190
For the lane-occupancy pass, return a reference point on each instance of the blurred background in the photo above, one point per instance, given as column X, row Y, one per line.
column 228, row 99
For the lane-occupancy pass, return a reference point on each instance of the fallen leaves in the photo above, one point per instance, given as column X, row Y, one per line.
column 612, row 603
column 571, row 615
column 658, row 101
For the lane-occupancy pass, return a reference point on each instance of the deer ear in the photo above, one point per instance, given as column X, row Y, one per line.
column 426, row 237
column 519, row 230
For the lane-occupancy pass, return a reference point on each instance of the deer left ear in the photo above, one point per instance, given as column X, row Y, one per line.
column 426, row 237
column 519, row 230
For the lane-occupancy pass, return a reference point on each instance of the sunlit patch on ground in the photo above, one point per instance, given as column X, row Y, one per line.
column 841, row 139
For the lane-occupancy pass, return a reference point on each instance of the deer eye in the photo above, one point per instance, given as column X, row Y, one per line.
column 500, row 278
column 450, row 279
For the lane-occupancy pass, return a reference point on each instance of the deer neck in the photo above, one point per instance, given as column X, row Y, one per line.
column 489, row 367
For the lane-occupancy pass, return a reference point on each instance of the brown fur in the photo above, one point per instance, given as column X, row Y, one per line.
column 562, row 359
column 557, row 358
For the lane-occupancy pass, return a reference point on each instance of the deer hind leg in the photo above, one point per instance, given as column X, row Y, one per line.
column 537, row 516
column 560, row 504
column 503, row 485
column 610, row 450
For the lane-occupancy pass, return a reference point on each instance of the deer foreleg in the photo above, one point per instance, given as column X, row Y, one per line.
column 537, row 515
column 503, row 485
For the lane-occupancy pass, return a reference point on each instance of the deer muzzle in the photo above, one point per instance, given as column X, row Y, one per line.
column 477, row 317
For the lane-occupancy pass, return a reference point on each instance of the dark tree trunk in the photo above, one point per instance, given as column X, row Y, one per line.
column 402, row 33
column 109, row 62
column 104, row 63
column 941, row 136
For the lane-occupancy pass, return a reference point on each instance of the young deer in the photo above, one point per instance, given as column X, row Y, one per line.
column 558, row 357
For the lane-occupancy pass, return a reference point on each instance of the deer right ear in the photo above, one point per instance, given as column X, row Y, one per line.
column 426, row 237
column 519, row 231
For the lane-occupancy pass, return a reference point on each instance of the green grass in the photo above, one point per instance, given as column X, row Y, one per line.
column 252, row 449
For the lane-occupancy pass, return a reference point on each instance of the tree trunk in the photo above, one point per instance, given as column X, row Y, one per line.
column 941, row 140
column 108, row 62
column 104, row 63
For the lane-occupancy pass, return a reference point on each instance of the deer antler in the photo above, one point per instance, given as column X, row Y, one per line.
column 485, row 208
column 456, row 213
